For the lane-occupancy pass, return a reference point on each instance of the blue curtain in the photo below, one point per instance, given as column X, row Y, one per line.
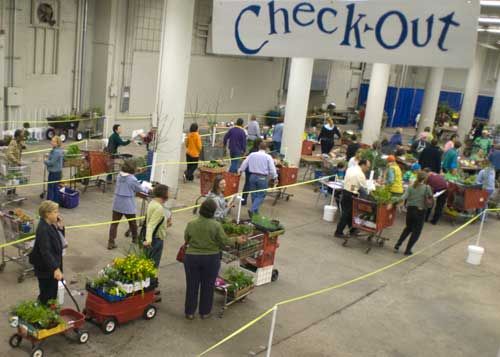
column 390, row 102
column 363, row 94
column 418, row 99
column 453, row 99
column 483, row 107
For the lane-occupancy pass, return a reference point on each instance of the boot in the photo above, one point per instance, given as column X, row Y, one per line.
column 111, row 244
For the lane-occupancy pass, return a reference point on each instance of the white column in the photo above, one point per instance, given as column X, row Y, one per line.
column 299, row 88
column 377, row 93
column 471, row 92
column 175, row 58
column 431, row 98
column 2, row 79
column 339, row 84
column 495, row 109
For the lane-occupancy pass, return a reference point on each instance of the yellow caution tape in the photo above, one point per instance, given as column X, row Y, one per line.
column 90, row 225
column 341, row 285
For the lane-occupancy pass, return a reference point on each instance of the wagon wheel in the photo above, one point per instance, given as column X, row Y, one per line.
column 275, row 275
column 149, row 312
column 108, row 326
column 79, row 136
column 50, row 133
column 64, row 136
column 15, row 340
column 37, row 352
column 83, row 336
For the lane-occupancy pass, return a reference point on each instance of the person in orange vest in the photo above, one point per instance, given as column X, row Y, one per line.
column 394, row 176
column 193, row 152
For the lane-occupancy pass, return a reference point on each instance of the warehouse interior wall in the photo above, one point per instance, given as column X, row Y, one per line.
column 40, row 59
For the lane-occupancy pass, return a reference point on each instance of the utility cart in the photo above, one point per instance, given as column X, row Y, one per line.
column 65, row 127
column 73, row 321
column 16, row 227
column 96, row 163
column 371, row 218
column 464, row 200
column 286, row 176
column 10, row 178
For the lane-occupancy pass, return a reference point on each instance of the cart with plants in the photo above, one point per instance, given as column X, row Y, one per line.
column 465, row 198
column 124, row 291
column 10, row 178
column 36, row 322
column 235, row 285
column 96, row 163
column 17, row 225
column 372, row 215
column 287, row 175
column 65, row 126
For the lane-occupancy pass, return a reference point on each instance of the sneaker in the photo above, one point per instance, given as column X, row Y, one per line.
column 112, row 245
column 189, row 317
column 396, row 249
column 205, row 317
column 408, row 253
column 340, row 235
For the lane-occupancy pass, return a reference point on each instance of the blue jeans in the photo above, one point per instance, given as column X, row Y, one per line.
column 155, row 251
column 277, row 147
column 235, row 164
column 258, row 183
column 53, row 188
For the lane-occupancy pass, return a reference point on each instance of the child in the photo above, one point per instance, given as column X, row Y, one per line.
column 411, row 175
column 339, row 171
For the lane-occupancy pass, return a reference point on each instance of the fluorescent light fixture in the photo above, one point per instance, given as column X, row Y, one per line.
column 490, row 3
column 489, row 20
column 495, row 30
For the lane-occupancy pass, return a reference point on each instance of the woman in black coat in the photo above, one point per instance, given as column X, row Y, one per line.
column 327, row 136
column 47, row 253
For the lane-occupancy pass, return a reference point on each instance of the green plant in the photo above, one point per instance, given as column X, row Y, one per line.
column 134, row 268
column 72, row 152
column 214, row 164
column 236, row 229
column 39, row 315
column 471, row 180
column 266, row 223
column 239, row 279
column 374, row 157
column 382, row 195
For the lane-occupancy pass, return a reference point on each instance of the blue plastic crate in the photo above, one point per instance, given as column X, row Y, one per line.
column 69, row 198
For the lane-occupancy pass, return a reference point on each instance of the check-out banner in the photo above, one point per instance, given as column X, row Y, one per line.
column 438, row 33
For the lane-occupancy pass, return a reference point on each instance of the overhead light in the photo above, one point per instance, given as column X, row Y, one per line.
column 489, row 20
column 495, row 30
column 489, row 3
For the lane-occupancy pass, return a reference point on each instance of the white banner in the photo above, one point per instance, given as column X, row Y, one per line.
column 438, row 33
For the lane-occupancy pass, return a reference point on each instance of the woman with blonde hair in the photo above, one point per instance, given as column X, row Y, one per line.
column 54, row 164
column 327, row 136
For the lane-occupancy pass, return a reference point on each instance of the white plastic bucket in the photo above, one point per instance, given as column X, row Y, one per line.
column 329, row 213
column 60, row 293
column 475, row 254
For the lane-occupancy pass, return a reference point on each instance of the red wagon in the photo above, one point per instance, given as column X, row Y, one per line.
column 109, row 314
column 73, row 322
column 372, row 218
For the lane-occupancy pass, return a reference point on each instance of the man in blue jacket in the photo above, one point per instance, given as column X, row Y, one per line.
column 237, row 138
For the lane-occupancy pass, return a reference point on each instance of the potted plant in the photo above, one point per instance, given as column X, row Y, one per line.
column 240, row 283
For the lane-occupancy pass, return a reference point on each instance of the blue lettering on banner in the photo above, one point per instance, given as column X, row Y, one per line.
column 304, row 14
column 272, row 18
column 448, row 21
column 321, row 16
column 350, row 26
column 402, row 36
column 430, row 23
column 248, row 51
column 303, row 7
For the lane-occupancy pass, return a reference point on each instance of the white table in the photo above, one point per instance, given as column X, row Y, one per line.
column 334, row 185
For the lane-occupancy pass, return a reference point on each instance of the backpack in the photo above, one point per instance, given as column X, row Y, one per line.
column 421, row 145
column 144, row 225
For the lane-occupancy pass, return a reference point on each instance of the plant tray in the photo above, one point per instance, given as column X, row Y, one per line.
column 239, row 293
column 26, row 329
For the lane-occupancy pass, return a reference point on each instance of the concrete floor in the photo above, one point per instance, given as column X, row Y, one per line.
column 432, row 305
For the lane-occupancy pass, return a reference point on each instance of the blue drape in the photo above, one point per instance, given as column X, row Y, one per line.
column 453, row 99
column 363, row 94
column 483, row 107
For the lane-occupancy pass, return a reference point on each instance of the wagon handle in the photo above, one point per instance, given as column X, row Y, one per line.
column 71, row 296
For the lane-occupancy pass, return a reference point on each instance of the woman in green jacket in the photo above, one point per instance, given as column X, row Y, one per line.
column 158, row 218
column 205, row 240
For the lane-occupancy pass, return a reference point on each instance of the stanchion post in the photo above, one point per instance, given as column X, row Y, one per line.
column 481, row 227
column 271, row 331
column 239, row 198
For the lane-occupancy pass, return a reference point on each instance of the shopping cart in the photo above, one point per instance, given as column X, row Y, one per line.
column 17, row 225
column 10, row 178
